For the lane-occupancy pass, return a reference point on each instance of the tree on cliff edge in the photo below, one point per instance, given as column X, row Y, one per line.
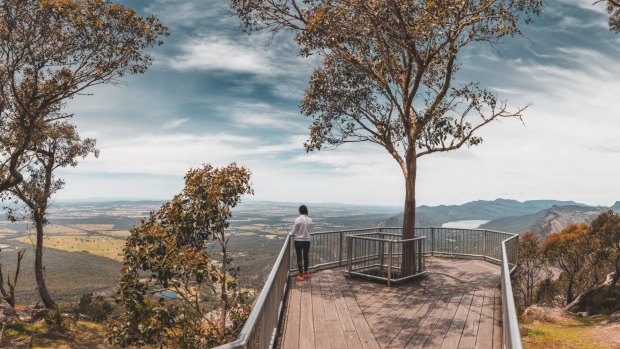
column 60, row 147
column 387, row 72
column 54, row 50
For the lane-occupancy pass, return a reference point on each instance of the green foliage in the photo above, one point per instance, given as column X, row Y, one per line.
column 56, row 321
column 546, row 291
column 173, row 250
column 606, row 229
column 97, row 307
column 569, row 250
column 607, row 301
column 531, row 266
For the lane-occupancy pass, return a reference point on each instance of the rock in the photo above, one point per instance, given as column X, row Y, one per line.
column 614, row 318
column 537, row 313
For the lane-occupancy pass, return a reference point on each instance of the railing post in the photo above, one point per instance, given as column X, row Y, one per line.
column 419, row 243
column 381, row 254
column 350, row 252
column 389, row 276
column 432, row 241
column 340, row 249
column 516, row 251
column 484, row 246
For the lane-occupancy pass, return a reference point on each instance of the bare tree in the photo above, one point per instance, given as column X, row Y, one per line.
column 9, row 296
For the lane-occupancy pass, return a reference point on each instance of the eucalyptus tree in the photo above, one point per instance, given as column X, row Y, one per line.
column 60, row 146
column 569, row 250
column 387, row 73
column 606, row 229
column 183, row 248
column 53, row 50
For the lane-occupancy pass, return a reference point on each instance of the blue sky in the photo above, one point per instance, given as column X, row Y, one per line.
column 216, row 95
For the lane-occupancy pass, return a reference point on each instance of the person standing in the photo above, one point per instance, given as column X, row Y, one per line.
column 301, row 232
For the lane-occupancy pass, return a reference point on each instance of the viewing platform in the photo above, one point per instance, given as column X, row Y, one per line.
column 456, row 305
column 371, row 289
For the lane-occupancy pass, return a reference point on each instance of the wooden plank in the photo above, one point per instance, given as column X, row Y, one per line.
column 414, row 301
column 290, row 337
column 318, row 315
column 363, row 330
column 334, row 327
column 401, row 332
column 349, row 331
column 365, row 292
column 378, row 310
column 306, row 323
column 458, row 323
column 444, row 323
column 336, row 335
column 331, row 313
column 497, row 320
column 427, row 326
column 470, row 331
column 484, row 340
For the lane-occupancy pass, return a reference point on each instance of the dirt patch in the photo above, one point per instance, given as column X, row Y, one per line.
column 556, row 316
column 608, row 335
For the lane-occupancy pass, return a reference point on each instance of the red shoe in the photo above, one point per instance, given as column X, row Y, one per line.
column 300, row 277
column 306, row 275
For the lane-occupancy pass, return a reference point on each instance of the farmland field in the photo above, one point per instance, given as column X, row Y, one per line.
column 83, row 242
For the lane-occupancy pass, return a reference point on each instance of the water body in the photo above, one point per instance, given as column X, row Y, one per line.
column 468, row 224
column 166, row 294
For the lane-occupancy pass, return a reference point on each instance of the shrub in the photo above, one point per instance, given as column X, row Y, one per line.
column 56, row 320
column 97, row 307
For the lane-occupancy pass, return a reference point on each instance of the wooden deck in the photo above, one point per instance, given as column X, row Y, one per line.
column 457, row 305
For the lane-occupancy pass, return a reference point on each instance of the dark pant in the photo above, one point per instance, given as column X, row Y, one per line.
column 301, row 249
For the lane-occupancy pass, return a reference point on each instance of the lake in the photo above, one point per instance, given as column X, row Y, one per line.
column 468, row 224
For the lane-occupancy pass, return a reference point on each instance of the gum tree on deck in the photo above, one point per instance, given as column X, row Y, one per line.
column 387, row 72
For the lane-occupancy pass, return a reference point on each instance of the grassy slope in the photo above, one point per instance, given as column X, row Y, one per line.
column 81, row 334
column 582, row 333
column 68, row 275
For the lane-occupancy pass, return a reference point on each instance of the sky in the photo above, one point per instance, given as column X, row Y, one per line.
column 216, row 95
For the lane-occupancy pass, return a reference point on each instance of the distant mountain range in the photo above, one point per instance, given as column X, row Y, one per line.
column 540, row 216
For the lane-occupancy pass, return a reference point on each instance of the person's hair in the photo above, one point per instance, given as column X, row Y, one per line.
column 303, row 209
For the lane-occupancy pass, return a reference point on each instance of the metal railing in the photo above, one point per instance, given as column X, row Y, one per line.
column 510, row 323
column 384, row 256
column 330, row 249
column 260, row 329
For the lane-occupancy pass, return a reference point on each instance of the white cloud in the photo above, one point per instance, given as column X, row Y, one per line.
column 221, row 54
column 263, row 115
column 174, row 123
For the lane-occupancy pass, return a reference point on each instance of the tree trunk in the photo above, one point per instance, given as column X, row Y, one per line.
column 569, row 292
column 409, row 253
column 409, row 214
column 38, row 263
column 224, row 290
column 616, row 276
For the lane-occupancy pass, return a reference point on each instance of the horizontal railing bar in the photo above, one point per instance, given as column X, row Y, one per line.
column 357, row 237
